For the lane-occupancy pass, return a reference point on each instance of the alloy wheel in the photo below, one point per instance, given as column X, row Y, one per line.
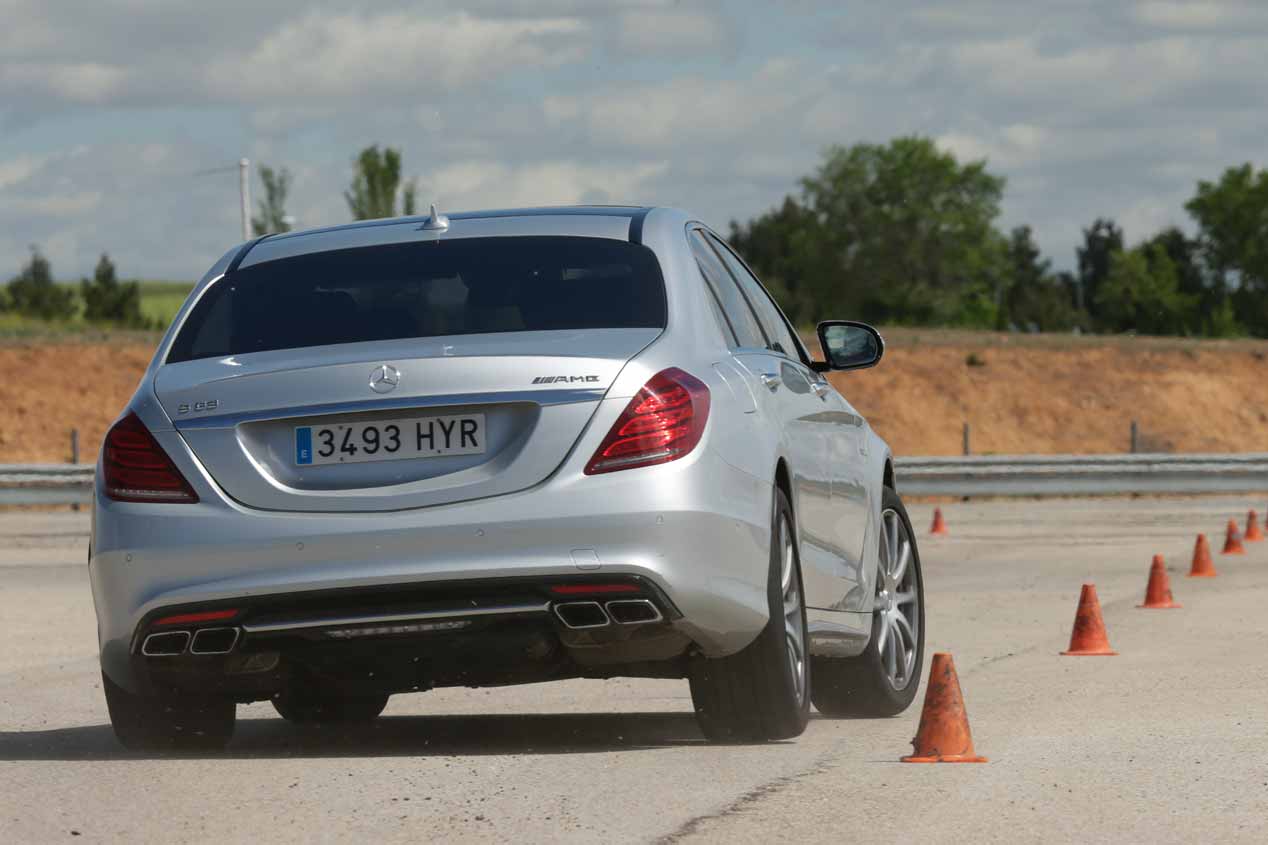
column 794, row 629
column 897, row 602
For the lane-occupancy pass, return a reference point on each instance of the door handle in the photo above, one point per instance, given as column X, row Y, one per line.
column 770, row 380
column 820, row 388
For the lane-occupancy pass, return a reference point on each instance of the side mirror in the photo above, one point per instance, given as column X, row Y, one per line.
column 849, row 346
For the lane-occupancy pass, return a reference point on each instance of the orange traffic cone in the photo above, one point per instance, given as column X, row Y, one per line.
column 1088, row 637
column 1253, row 534
column 1202, row 566
column 1233, row 541
column 1158, row 592
column 943, row 735
column 939, row 524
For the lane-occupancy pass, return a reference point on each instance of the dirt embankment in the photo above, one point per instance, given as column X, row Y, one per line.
column 1064, row 395
column 1019, row 394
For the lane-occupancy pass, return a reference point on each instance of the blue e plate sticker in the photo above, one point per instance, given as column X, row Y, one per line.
column 304, row 445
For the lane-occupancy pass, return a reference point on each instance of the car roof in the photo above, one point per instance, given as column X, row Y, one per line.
column 621, row 222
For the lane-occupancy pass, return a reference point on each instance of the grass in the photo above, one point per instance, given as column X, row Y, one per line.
column 160, row 300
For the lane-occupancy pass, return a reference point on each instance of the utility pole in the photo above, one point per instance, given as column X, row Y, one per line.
column 244, row 188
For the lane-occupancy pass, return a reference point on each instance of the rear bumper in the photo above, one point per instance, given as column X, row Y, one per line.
column 696, row 530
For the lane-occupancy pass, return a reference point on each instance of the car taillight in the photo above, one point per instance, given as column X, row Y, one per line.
column 664, row 421
column 136, row 469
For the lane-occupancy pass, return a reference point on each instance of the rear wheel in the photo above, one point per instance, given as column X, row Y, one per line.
column 308, row 707
column 762, row 692
column 178, row 723
column 882, row 681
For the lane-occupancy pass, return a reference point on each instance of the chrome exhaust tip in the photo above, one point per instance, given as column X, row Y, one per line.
column 165, row 644
column 214, row 641
column 633, row 612
column 579, row 615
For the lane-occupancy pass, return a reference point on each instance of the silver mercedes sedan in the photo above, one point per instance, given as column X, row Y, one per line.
column 496, row 448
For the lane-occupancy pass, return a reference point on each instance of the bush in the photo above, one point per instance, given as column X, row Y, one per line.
column 106, row 299
column 33, row 293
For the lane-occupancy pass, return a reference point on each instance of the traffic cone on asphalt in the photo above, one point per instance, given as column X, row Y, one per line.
column 943, row 735
column 1233, row 541
column 1158, row 592
column 939, row 524
column 1088, row 637
column 1253, row 534
column 1202, row 566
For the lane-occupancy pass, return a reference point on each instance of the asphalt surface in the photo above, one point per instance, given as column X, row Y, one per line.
column 1167, row 742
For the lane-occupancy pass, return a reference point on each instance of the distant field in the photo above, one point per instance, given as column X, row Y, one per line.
column 160, row 300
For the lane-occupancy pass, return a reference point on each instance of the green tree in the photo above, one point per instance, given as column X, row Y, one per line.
column 1034, row 298
column 1213, row 313
column 785, row 247
column 1232, row 218
column 1101, row 243
column 34, row 293
column 107, row 299
column 376, row 182
column 272, row 218
column 1141, row 293
column 908, row 232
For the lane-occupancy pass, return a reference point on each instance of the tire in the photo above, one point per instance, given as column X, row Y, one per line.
column 762, row 692
column 863, row 686
column 155, row 724
column 306, row 707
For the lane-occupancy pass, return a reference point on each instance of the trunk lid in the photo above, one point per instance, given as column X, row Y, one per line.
column 533, row 392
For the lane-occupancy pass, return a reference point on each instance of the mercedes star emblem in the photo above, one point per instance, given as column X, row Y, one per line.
column 385, row 378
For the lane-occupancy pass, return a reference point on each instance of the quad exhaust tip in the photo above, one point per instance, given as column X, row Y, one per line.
column 633, row 611
column 203, row 641
column 214, row 641
column 165, row 644
column 580, row 615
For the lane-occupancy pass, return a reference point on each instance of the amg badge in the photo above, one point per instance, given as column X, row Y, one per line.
column 564, row 379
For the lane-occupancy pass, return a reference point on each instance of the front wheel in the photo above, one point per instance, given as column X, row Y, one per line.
column 882, row 681
column 762, row 692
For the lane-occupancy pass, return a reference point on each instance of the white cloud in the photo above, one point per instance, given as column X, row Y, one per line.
column 493, row 184
column 1008, row 147
column 58, row 206
column 84, row 82
column 352, row 55
column 15, row 171
column 671, row 31
column 1195, row 15
column 690, row 110
column 1107, row 74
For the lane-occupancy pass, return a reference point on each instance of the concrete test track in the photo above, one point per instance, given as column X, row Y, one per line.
column 1168, row 742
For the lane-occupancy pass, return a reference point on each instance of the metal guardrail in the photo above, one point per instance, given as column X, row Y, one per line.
column 1073, row 475
column 45, row 484
column 976, row 475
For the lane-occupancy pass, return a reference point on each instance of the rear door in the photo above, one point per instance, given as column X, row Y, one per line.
column 787, row 401
column 839, row 507
column 406, row 375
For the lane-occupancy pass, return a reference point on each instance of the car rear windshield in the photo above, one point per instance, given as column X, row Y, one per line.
column 426, row 289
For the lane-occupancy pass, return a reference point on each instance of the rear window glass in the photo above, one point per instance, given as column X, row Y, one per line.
column 426, row 289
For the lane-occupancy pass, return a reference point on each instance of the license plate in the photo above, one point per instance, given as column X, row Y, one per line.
column 389, row 440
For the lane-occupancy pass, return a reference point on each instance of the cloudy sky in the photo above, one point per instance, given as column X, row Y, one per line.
column 109, row 109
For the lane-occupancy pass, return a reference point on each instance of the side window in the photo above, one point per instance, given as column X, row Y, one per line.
column 777, row 330
column 744, row 325
column 723, row 323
